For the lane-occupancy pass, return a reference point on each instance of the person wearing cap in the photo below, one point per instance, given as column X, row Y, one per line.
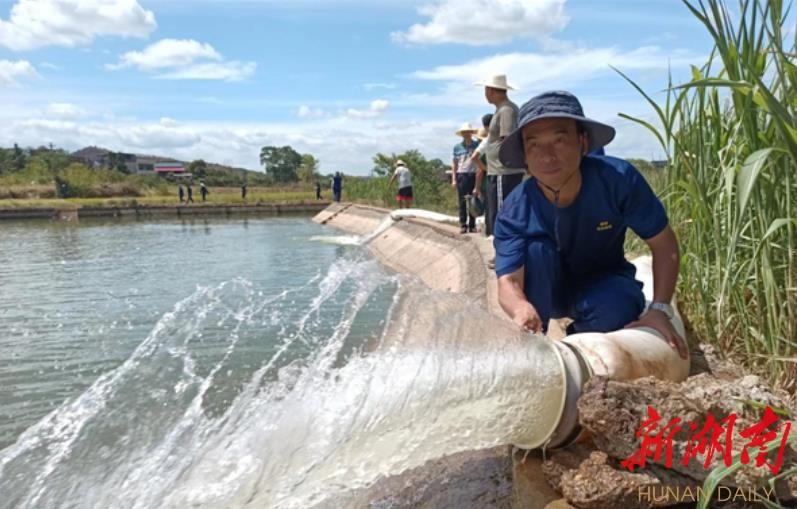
column 402, row 173
column 463, row 174
column 559, row 237
column 501, row 179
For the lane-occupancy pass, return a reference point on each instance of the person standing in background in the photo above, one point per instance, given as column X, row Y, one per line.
column 501, row 180
column 463, row 175
column 402, row 173
column 337, row 186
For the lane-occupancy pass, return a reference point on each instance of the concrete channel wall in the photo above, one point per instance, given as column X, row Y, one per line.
column 161, row 210
column 436, row 253
column 445, row 260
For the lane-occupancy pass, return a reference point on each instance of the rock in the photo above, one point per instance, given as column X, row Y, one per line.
column 614, row 411
column 598, row 485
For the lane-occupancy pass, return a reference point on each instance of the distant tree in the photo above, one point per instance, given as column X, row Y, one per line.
column 53, row 159
column 308, row 171
column 5, row 161
column 116, row 161
column 281, row 163
column 198, row 168
column 18, row 160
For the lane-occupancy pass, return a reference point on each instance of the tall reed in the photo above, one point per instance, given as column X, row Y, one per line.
column 731, row 136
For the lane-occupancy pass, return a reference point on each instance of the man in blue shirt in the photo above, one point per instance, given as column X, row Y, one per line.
column 559, row 236
column 463, row 174
column 337, row 186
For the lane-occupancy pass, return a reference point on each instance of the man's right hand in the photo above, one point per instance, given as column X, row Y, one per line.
column 527, row 318
column 476, row 191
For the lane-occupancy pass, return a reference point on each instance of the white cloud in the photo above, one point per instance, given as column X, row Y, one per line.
column 37, row 23
column 65, row 110
column 185, row 59
column 305, row 111
column 532, row 73
column 222, row 71
column 376, row 108
column 167, row 53
column 158, row 136
column 48, row 65
column 10, row 71
column 479, row 22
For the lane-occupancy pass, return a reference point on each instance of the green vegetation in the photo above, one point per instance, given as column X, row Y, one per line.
column 48, row 177
column 217, row 196
column 731, row 188
column 285, row 165
column 430, row 184
column 52, row 174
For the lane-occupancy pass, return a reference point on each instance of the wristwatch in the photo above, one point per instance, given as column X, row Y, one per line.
column 664, row 308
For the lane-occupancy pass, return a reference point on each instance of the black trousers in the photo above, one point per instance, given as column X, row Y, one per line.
column 465, row 184
column 498, row 188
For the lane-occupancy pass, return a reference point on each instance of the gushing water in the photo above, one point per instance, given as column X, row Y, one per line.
column 321, row 415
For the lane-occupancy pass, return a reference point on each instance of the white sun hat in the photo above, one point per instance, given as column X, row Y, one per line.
column 497, row 81
column 466, row 127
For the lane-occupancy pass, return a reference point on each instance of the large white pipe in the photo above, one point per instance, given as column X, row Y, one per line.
column 624, row 354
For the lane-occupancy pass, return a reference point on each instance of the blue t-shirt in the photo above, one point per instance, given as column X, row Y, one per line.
column 462, row 154
column 614, row 196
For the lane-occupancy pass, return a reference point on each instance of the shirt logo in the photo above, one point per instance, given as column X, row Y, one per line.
column 604, row 225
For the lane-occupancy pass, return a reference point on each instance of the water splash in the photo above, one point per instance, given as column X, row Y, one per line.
column 340, row 240
column 317, row 418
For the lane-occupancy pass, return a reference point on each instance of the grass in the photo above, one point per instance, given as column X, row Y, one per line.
column 216, row 196
column 731, row 190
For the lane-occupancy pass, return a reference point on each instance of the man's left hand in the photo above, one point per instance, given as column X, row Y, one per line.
column 658, row 321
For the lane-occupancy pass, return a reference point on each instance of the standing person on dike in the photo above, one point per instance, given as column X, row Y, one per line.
column 404, row 196
column 501, row 179
column 337, row 186
column 463, row 174
column 559, row 237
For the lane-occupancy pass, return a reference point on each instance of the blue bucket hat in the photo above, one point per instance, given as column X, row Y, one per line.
column 554, row 104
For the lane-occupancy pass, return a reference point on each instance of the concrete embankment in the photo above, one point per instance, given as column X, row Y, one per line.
column 162, row 210
column 446, row 260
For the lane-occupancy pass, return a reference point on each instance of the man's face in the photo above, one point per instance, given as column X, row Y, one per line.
column 488, row 94
column 553, row 149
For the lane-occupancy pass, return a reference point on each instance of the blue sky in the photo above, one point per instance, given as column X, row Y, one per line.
column 218, row 79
